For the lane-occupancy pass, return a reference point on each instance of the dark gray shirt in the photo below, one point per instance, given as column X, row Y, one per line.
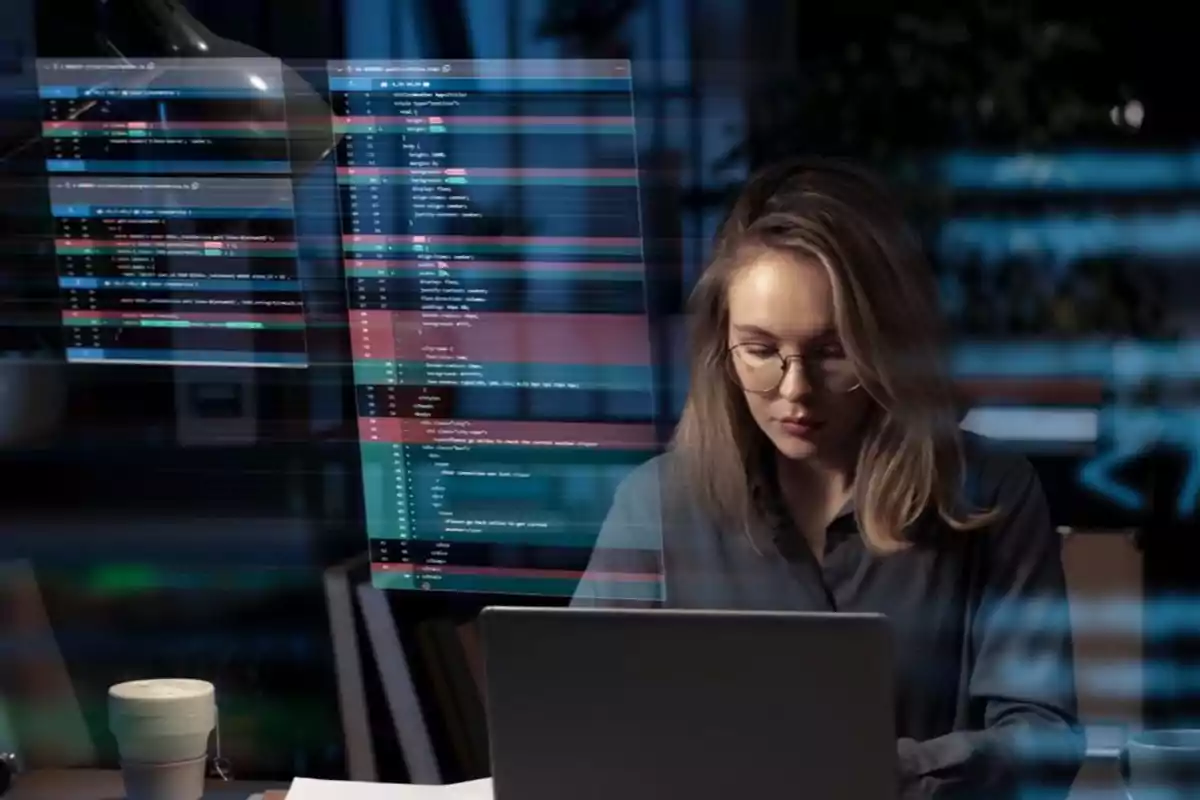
column 985, row 703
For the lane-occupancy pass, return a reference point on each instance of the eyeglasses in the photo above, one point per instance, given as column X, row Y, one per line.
column 761, row 370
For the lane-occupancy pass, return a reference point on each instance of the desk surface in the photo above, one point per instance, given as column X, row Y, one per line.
column 98, row 784
column 1097, row 781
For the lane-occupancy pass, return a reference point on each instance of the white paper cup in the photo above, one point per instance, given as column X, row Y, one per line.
column 162, row 726
column 181, row 780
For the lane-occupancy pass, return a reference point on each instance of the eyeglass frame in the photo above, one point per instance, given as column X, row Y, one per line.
column 787, row 365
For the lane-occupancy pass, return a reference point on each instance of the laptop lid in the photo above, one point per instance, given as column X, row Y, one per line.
column 607, row 704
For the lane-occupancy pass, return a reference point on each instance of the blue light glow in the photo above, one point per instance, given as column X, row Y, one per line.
column 1078, row 170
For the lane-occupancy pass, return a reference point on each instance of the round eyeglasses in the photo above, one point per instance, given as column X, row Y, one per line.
column 761, row 369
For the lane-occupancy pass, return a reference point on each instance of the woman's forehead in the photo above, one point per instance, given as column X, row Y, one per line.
column 785, row 297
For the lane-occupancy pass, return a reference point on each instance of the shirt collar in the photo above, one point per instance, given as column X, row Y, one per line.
column 769, row 497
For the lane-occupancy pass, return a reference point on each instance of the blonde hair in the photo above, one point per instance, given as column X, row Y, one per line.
column 885, row 305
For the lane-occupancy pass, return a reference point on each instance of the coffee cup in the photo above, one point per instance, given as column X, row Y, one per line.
column 162, row 727
column 1162, row 765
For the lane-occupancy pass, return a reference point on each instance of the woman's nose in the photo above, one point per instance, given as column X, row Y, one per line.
column 795, row 383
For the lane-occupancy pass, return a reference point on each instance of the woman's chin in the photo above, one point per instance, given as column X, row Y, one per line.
column 794, row 448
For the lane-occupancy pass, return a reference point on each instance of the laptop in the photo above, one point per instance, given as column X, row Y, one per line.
column 642, row 704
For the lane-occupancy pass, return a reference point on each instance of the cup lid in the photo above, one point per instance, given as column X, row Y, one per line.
column 155, row 696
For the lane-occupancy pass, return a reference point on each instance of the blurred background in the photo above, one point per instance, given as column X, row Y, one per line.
column 181, row 519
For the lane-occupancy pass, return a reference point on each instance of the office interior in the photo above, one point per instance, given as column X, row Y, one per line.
column 208, row 499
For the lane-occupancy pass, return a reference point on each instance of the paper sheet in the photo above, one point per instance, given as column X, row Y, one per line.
column 311, row 789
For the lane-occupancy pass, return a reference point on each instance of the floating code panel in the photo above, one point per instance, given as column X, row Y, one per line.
column 498, row 315
column 174, row 214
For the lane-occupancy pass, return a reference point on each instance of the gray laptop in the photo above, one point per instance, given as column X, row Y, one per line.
column 600, row 704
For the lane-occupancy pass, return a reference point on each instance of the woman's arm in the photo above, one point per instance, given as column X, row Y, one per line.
column 630, row 541
column 1022, row 675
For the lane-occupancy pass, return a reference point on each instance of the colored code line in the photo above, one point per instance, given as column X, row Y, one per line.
column 515, row 375
column 1063, row 238
column 192, row 317
column 460, row 274
column 548, row 245
column 194, row 250
column 1074, row 170
column 486, row 180
column 500, row 172
column 492, row 269
column 611, row 339
column 515, row 84
column 180, row 284
column 177, row 125
column 175, row 243
column 77, row 211
column 247, row 132
column 512, row 572
column 232, row 358
column 555, row 435
column 470, row 120
column 583, row 241
column 171, row 244
column 382, row 525
column 178, row 323
column 157, row 93
column 166, row 167
column 478, row 130
column 643, row 591
column 497, row 249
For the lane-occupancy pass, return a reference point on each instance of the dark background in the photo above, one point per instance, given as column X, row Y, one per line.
column 205, row 503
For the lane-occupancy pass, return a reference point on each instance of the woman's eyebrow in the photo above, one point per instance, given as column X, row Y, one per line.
column 825, row 335
column 754, row 330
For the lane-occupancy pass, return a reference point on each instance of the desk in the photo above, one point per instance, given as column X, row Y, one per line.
column 98, row 784
column 1098, row 780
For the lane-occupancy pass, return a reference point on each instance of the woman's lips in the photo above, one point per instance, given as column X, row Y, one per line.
column 800, row 426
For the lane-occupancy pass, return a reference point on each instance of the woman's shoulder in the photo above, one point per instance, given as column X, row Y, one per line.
column 1001, row 480
column 647, row 481
column 658, row 489
column 994, row 471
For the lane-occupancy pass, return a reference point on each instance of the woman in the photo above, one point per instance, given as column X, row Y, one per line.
column 819, row 466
